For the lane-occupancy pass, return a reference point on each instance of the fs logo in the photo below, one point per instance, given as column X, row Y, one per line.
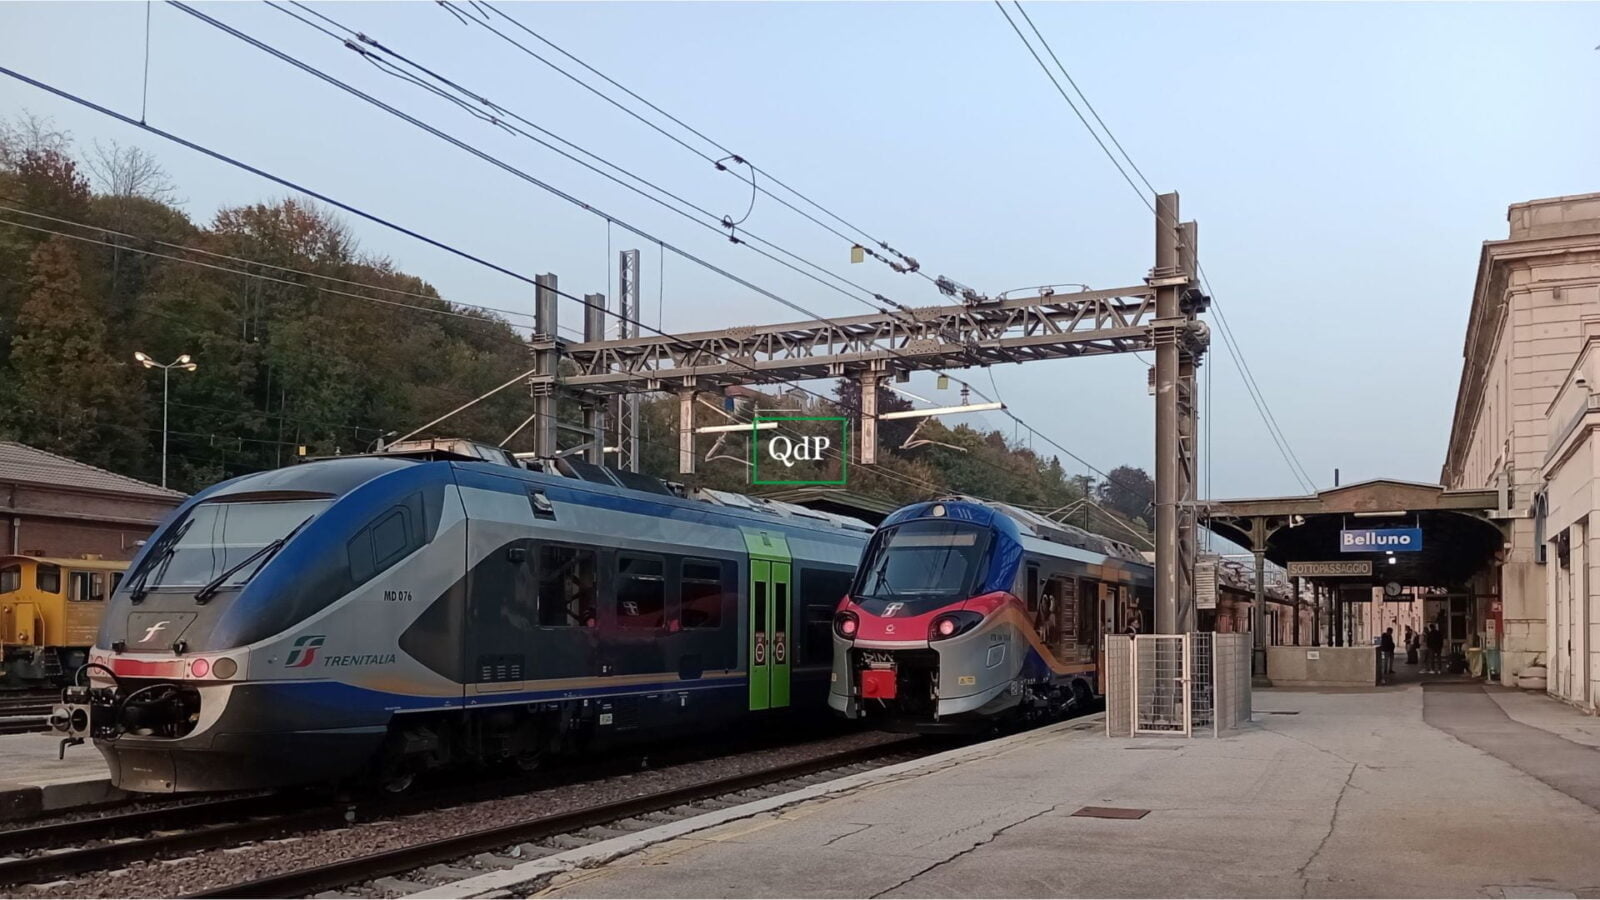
column 891, row 609
column 151, row 632
column 304, row 652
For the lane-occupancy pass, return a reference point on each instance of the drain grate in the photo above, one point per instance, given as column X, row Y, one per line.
column 1111, row 812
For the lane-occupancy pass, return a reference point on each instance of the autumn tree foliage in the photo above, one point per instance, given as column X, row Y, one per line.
column 66, row 389
column 288, row 360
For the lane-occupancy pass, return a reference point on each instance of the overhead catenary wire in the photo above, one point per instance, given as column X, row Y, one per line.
column 288, row 58
column 1253, row 389
column 862, row 235
column 330, row 200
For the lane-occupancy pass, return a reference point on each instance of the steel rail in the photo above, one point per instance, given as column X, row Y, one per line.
column 130, row 822
column 47, row 866
column 329, row 876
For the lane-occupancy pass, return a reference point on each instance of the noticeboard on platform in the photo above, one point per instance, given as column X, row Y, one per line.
column 1331, row 569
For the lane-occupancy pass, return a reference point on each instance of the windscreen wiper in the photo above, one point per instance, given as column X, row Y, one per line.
column 260, row 558
column 169, row 546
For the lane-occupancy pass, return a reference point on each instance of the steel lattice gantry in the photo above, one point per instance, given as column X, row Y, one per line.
column 1159, row 315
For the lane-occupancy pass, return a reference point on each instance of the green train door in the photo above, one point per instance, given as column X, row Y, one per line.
column 770, row 645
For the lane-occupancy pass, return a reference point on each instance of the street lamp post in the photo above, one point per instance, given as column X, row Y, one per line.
column 183, row 362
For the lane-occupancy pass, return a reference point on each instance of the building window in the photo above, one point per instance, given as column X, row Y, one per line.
column 641, row 592
column 703, row 592
column 48, row 578
column 567, row 587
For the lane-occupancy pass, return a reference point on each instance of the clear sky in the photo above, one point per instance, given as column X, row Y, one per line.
column 1344, row 162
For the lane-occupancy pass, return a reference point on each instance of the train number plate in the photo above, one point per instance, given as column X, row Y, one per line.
column 878, row 684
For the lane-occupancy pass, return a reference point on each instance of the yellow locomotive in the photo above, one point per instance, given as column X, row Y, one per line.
column 50, row 612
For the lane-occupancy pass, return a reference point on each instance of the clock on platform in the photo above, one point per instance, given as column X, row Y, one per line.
column 1392, row 589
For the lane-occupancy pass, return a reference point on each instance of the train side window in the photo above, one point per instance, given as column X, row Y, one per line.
column 116, row 581
column 818, row 647
column 86, row 587
column 641, row 592
column 48, row 578
column 391, row 539
column 383, row 543
column 705, row 584
column 824, row 586
column 10, row 579
column 567, row 587
column 1032, row 587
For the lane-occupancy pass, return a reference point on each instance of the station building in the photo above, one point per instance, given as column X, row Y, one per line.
column 1507, row 561
column 1524, row 417
column 58, row 507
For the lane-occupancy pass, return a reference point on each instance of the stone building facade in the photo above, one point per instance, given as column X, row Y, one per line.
column 1524, row 416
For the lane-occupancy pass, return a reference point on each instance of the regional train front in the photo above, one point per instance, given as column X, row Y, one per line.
column 238, row 651
column 965, row 613
column 929, row 637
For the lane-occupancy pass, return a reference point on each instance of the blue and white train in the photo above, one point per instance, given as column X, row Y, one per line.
column 379, row 616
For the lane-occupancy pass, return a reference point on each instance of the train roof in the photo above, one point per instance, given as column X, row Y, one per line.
column 461, row 451
column 103, row 565
column 1035, row 525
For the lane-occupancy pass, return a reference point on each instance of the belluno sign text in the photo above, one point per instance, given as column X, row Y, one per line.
column 1380, row 540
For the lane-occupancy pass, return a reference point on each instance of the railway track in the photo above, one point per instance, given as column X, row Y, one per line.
column 73, row 850
column 505, row 845
column 26, row 712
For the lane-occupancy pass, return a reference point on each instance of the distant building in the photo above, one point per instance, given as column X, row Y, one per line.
column 1524, row 423
column 55, row 506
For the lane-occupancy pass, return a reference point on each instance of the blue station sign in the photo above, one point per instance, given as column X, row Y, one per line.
column 1380, row 540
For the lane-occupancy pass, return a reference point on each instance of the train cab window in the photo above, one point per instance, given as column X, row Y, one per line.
column 48, row 579
column 86, row 587
column 641, row 592
column 10, row 579
column 705, row 584
column 567, row 587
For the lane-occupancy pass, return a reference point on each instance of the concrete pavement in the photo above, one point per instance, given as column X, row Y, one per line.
column 34, row 781
column 1354, row 794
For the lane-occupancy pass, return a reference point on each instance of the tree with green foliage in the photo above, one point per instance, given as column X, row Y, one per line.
column 67, row 389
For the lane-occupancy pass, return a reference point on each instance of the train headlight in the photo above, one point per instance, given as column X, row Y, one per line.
column 951, row 624
column 225, row 667
column 200, row 668
column 846, row 625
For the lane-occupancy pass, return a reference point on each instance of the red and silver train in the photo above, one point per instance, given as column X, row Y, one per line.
column 963, row 614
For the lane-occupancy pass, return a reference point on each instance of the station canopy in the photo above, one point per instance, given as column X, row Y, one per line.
column 1364, row 521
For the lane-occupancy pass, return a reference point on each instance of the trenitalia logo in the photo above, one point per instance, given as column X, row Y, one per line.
column 304, row 652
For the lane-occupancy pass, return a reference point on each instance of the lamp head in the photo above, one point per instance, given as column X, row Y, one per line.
column 183, row 359
column 144, row 360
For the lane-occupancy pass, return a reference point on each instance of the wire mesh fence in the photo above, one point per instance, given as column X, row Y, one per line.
column 1176, row 684
column 1119, row 685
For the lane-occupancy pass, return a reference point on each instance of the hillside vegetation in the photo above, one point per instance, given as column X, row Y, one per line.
column 98, row 259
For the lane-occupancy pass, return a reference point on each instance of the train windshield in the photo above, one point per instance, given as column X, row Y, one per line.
column 923, row 561
column 218, row 536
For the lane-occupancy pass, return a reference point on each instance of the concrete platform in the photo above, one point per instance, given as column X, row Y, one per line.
column 33, row 781
column 1408, row 792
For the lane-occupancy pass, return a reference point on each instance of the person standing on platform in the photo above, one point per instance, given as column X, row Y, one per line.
column 1435, row 645
column 1386, row 656
column 1411, row 646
